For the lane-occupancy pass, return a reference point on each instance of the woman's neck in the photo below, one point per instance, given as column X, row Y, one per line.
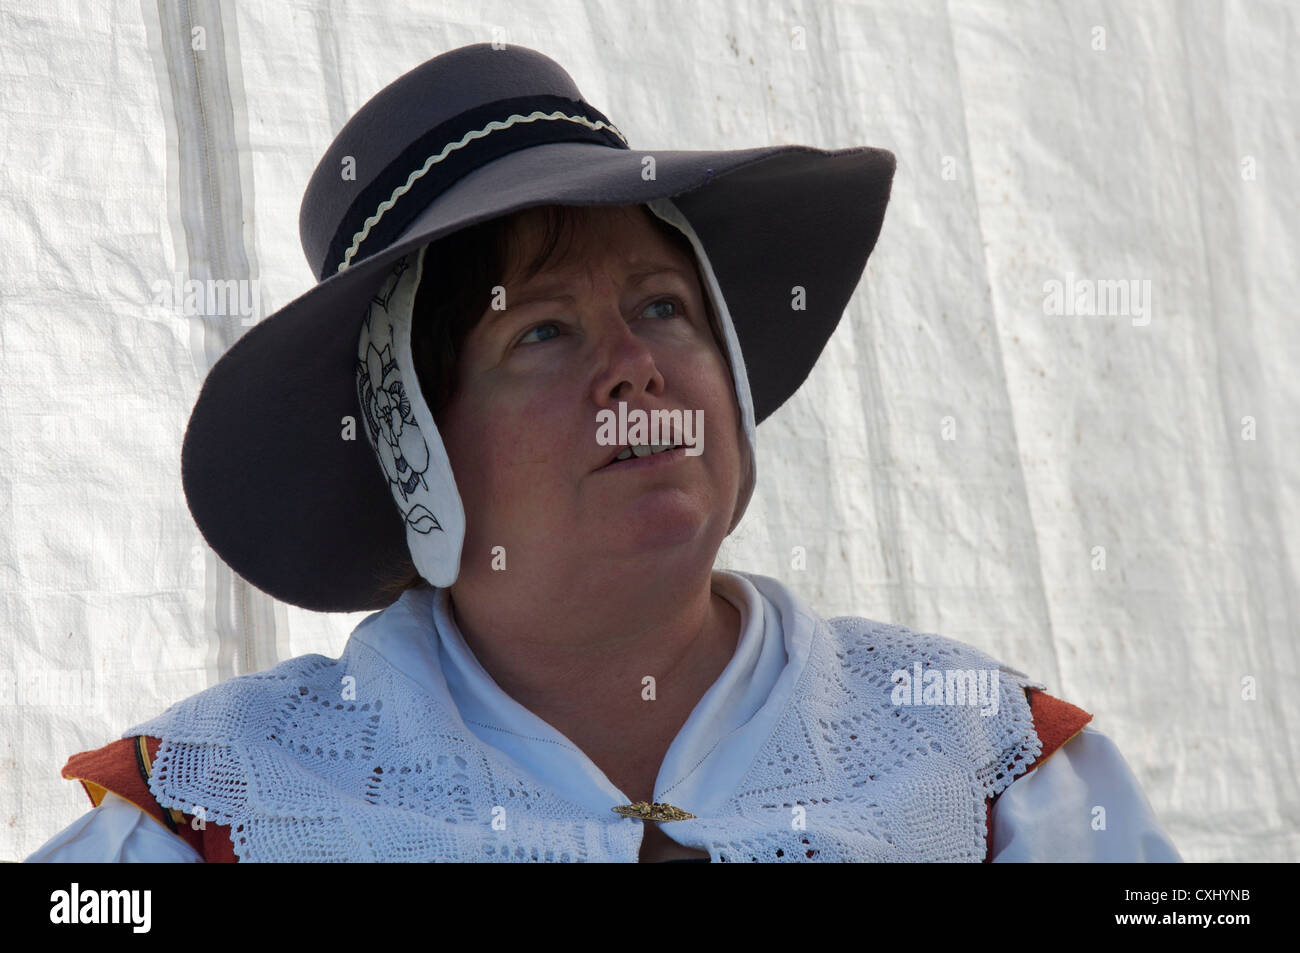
column 627, row 682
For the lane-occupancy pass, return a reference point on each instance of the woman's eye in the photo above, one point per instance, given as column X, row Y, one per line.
column 540, row 327
column 670, row 301
column 676, row 312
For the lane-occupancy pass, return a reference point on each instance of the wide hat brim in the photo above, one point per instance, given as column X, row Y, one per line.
column 306, row 516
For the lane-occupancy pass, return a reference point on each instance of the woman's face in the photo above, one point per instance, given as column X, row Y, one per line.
column 623, row 319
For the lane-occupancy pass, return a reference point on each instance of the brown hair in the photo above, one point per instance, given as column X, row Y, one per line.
column 455, row 291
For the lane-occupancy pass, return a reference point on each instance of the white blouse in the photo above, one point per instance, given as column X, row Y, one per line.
column 1082, row 804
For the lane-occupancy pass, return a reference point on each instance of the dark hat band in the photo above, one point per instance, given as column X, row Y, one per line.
column 445, row 154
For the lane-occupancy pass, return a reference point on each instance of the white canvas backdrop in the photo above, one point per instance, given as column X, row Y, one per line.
column 1080, row 495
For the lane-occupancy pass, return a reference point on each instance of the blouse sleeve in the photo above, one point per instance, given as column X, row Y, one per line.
column 115, row 832
column 1052, row 813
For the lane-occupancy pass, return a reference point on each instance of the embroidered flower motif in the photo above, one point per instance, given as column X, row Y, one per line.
column 395, row 435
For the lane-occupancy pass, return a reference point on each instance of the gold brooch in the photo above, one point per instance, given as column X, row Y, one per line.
column 652, row 812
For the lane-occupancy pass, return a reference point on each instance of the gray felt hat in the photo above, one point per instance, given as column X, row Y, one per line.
column 471, row 135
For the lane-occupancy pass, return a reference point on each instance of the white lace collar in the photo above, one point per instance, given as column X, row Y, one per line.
column 708, row 757
column 798, row 751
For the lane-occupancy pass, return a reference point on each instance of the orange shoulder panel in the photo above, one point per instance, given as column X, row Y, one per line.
column 123, row 767
column 1055, row 723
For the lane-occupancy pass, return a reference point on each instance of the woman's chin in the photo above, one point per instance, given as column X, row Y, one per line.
column 651, row 525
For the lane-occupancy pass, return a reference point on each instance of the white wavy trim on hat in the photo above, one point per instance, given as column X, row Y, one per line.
column 402, row 431
column 406, row 439
column 448, row 149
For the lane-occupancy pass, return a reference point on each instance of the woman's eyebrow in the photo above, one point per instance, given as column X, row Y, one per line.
column 637, row 277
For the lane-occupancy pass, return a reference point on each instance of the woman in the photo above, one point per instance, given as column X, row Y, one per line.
column 564, row 676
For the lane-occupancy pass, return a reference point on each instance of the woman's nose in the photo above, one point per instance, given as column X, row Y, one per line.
column 629, row 365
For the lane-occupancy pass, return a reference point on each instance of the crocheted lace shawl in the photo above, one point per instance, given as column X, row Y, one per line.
column 300, row 773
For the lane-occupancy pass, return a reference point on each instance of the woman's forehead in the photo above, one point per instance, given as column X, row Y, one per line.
column 629, row 236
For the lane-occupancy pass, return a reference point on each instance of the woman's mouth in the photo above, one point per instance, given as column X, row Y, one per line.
column 642, row 456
